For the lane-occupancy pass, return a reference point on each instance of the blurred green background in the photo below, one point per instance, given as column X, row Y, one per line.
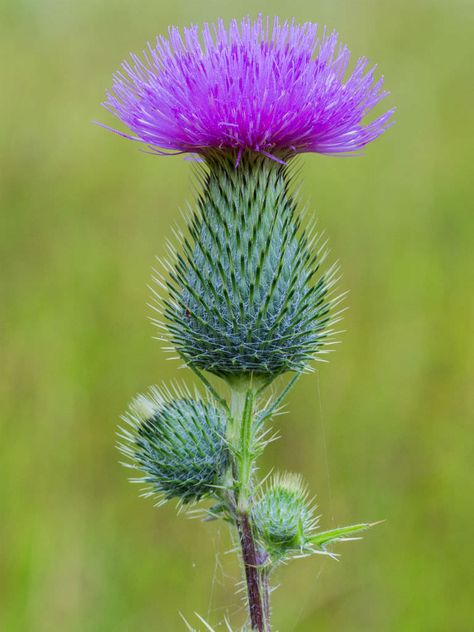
column 382, row 431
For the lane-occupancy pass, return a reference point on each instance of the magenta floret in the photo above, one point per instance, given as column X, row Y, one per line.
column 266, row 87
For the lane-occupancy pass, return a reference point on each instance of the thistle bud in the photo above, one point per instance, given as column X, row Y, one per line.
column 283, row 517
column 246, row 292
column 177, row 443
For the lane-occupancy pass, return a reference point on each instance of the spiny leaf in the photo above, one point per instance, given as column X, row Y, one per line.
column 341, row 534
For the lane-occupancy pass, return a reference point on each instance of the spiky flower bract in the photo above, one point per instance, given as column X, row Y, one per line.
column 260, row 85
column 247, row 294
column 177, row 443
column 284, row 519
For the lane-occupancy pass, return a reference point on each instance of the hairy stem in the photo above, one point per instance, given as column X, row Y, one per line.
column 255, row 593
column 242, row 438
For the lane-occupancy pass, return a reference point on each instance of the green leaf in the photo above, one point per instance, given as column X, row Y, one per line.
column 341, row 534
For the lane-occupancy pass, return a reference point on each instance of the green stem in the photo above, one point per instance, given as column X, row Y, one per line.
column 242, row 439
column 246, row 453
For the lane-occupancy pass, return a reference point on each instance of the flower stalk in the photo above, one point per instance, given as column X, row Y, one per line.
column 256, row 590
column 243, row 441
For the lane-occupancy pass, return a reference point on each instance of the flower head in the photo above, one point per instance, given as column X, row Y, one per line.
column 252, row 86
column 248, row 293
column 283, row 516
column 177, row 442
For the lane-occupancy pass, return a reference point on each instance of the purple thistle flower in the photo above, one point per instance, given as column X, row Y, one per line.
column 251, row 87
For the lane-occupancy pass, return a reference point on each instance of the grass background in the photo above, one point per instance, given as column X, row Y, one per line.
column 383, row 431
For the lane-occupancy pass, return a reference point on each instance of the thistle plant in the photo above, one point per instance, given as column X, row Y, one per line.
column 247, row 295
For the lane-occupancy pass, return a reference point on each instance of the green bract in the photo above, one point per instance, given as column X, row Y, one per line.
column 178, row 444
column 246, row 294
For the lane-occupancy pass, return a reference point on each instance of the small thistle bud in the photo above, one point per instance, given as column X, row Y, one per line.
column 283, row 517
column 177, row 443
column 246, row 296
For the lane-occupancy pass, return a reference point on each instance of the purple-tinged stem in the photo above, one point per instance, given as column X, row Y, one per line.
column 257, row 593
